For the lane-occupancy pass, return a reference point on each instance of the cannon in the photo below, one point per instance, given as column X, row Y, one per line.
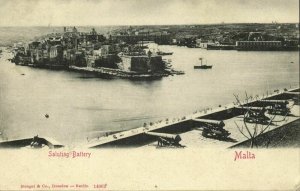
column 256, row 114
column 220, row 124
column 165, row 139
column 271, row 102
column 277, row 107
column 213, row 128
column 258, row 109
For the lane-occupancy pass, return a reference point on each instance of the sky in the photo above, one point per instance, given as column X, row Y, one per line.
column 145, row 12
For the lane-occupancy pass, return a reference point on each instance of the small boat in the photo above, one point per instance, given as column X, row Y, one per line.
column 161, row 53
column 202, row 66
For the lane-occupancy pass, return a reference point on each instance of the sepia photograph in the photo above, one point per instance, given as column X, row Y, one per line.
column 149, row 95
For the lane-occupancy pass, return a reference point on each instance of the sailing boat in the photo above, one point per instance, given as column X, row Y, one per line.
column 202, row 66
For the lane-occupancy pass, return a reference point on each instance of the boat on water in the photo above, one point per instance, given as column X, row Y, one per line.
column 161, row 53
column 202, row 66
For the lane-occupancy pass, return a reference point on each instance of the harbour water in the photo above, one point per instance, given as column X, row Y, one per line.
column 80, row 108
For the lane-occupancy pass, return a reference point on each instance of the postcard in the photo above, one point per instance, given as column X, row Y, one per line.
column 149, row 95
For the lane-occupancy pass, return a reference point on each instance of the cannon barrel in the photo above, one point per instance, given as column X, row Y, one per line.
column 253, row 108
column 175, row 138
column 274, row 101
column 210, row 121
column 292, row 93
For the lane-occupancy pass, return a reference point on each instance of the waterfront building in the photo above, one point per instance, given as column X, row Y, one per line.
column 90, row 61
column 258, row 45
column 39, row 55
column 56, row 40
column 291, row 43
column 45, row 54
column 255, row 36
column 98, row 53
column 20, row 48
column 92, row 50
column 103, row 51
column 204, row 43
column 141, row 63
column 53, row 52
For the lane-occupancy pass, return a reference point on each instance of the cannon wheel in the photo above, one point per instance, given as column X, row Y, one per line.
column 205, row 133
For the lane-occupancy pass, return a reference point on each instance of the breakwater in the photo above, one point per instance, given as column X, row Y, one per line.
column 116, row 73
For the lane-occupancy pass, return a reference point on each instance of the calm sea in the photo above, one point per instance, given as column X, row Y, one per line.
column 81, row 107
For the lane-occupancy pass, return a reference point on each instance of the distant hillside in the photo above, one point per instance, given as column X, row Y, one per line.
column 10, row 35
column 220, row 32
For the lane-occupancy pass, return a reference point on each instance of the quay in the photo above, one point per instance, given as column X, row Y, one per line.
column 228, row 116
column 116, row 72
